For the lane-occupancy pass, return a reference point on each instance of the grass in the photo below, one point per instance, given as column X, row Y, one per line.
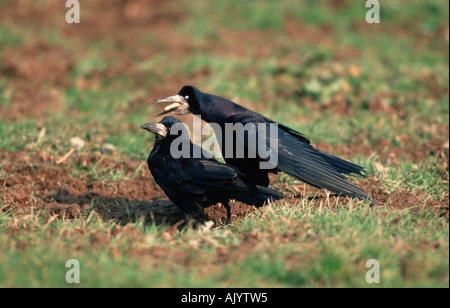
column 325, row 246
column 295, row 62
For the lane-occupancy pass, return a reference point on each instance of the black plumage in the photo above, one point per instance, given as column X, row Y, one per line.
column 195, row 183
column 296, row 156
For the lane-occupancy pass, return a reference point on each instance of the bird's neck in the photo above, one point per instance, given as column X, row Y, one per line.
column 216, row 109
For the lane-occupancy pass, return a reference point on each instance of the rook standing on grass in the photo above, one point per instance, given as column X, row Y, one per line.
column 296, row 156
column 196, row 183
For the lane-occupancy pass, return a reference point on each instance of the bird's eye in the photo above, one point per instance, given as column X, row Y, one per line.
column 186, row 98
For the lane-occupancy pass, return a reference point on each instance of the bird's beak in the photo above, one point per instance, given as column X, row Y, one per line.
column 178, row 105
column 156, row 128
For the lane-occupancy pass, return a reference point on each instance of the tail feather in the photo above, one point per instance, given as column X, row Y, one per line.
column 318, row 169
column 342, row 166
column 259, row 196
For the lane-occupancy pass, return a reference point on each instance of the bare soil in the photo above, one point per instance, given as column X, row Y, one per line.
column 31, row 184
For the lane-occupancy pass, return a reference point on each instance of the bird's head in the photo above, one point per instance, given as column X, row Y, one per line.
column 185, row 102
column 166, row 128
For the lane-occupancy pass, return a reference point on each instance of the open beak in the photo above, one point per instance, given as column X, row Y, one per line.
column 156, row 128
column 178, row 105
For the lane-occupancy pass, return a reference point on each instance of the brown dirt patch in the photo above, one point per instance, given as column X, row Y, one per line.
column 38, row 63
column 238, row 210
column 314, row 35
column 118, row 18
column 32, row 184
column 30, row 100
column 402, row 199
column 38, row 73
column 398, row 200
column 440, row 34
column 388, row 154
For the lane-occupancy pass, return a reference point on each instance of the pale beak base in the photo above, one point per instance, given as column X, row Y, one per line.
column 178, row 105
column 156, row 128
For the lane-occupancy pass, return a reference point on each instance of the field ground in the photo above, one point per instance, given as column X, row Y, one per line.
column 74, row 183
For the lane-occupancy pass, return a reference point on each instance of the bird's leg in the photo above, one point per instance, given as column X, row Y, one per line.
column 228, row 207
column 187, row 218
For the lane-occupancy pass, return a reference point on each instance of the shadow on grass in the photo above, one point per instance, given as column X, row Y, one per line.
column 119, row 209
